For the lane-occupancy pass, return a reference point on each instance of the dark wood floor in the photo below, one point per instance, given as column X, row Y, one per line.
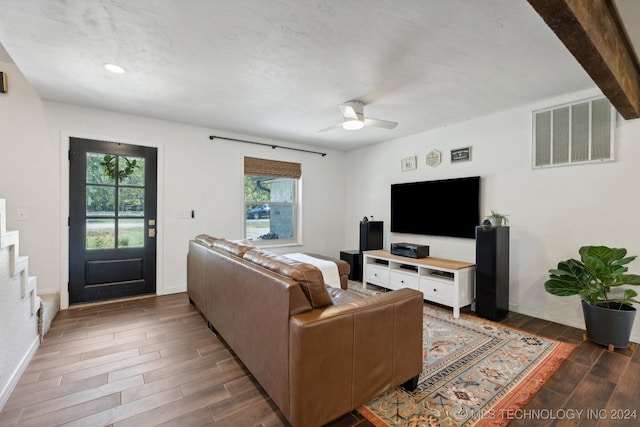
column 153, row 361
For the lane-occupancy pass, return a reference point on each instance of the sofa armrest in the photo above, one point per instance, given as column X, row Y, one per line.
column 342, row 356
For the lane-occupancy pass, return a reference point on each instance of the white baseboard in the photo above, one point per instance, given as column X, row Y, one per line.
column 176, row 290
column 17, row 374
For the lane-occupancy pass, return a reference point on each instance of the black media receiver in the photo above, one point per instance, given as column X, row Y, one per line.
column 409, row 250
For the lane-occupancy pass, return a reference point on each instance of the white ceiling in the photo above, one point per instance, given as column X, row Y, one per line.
column 278, row 69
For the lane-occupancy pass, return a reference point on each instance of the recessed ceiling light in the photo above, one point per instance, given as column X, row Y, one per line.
column 353, row 124
column 116, row 69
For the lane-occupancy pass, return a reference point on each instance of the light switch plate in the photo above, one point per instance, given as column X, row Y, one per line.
column 184, row 214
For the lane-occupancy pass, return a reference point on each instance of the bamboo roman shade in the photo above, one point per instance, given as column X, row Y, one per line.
column 274, row 168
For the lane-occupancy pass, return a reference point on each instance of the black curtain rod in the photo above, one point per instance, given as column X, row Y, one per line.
column 274, row 146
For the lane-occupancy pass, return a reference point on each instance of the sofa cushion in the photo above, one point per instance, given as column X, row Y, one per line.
column 205, row 239
column 242, row 242
column 237, row 249
column 306, row 275
column 342, row 296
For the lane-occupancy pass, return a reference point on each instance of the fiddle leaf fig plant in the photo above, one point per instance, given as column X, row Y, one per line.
column 599, row 271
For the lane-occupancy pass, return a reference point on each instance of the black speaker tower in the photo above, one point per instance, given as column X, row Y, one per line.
column 370, row 235
column 370, row 239
column 492, row 272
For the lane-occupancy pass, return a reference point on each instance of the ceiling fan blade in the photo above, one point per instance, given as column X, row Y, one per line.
column 337, row 125
column 386, row 124
column 348, row 111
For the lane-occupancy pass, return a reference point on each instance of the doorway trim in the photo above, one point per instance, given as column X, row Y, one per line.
column 64, row 206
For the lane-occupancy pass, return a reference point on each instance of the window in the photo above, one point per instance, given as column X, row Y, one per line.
column 271, row 200
column 114, row 201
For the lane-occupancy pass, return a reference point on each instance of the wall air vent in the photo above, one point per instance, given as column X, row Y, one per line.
column 576, row 133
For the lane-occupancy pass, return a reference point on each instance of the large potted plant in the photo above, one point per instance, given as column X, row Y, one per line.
column 597, row 278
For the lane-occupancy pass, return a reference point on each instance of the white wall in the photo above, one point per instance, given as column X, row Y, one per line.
column 23, row 133
column 195, row 173
column 29, row 177
column 552, row 211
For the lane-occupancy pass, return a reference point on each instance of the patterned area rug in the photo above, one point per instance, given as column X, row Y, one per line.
column 475, row 373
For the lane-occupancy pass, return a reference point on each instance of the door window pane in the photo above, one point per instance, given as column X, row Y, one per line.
column 101, row 200
column 101, row 233
column 131, row 233
column 109, row 176
column 100, row 168
column 131, row 170
column 130, row 201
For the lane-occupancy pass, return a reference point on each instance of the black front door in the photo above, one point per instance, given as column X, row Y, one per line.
column 112, row 220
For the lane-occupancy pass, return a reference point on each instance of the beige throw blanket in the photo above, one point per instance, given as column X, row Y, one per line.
column 328, row 269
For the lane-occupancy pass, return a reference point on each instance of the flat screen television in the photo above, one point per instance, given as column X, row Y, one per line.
column 448, row 207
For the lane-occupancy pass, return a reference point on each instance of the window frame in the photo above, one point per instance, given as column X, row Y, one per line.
column 272, row 170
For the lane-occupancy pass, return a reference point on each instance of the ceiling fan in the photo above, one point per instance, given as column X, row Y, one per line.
column 353, row 113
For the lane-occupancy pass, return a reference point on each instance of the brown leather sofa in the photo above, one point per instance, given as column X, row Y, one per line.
column 318, row 353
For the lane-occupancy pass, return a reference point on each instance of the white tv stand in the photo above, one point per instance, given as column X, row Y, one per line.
column 443, row 281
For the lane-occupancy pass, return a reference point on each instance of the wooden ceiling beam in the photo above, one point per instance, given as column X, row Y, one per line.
column 593, row 33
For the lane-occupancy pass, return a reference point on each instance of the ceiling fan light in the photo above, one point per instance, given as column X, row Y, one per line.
column 352, row 124
column 116, row 69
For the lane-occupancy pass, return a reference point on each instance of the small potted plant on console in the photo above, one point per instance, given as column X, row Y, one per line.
column 597, row 278
column 497, row 219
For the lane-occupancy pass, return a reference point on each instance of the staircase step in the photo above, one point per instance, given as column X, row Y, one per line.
column 3, row 216
column 21, row 264
column 9, row 238
column 51, row 306
column 31, row 291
